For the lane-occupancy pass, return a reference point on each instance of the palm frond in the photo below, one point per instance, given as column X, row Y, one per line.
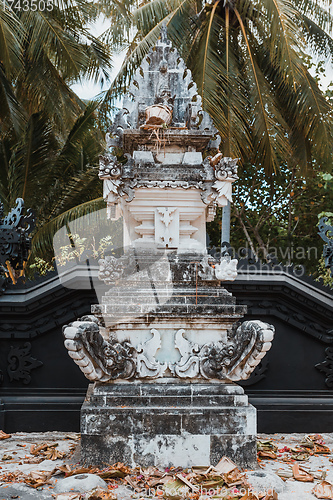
column 12, row 114
column 12, row 35
column 30, row 160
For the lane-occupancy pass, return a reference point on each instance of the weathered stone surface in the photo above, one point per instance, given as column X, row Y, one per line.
column 80, row 483
column 262, row 481
column 166, row 318
column 168, row 424
column 226, row 352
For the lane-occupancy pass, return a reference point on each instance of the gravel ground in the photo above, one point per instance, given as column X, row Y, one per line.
column 15, row 456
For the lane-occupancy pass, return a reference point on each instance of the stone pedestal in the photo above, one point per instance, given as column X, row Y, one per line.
column 166, row 343
column 164, row 424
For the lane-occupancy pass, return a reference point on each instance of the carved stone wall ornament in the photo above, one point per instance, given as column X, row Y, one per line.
column 21, row 363
column 226, row 270
column 110, row 269
column 14, row 239
column 147, row 366
column 327, row 367
column 326, row 233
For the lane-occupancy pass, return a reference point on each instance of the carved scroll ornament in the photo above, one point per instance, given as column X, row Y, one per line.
column 98, row 359
column 233, row 360
column 101, row 360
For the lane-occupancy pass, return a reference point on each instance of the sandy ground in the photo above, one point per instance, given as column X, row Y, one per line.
column 16, row 458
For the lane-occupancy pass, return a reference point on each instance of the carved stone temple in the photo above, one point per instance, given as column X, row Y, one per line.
column 166, row 345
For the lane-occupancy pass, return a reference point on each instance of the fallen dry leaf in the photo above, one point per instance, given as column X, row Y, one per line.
column 225, row 466
column 100, row 494
column 61, row 469
column 323, row 490
column 234, row 478
column 271, row 496
column 249, row 496
column 38, row 478
column 266, row 446
column 185, row 481
column 301, row 475
column 3, row 435
column 53, row 454
column 301, row 457
column 267, row 454
column 321, row 449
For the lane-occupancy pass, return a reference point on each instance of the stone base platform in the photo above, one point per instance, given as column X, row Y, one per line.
column 167, row 424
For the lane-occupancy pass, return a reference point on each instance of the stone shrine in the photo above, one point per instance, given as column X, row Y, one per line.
column 165, row 347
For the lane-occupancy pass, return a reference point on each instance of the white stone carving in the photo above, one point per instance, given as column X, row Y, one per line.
column 110, row 269
column 226, row 174
column 167, row 227
column 100, row 360
column 227, row 269
column 188, row 366
column 147, row 366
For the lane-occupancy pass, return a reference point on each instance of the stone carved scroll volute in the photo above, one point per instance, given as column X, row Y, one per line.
column 147, row 366
column 188, row 366
column 98, row 359
column 233, row 360
column 237, row 358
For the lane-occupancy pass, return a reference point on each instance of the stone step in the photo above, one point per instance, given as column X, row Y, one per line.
column 175, row 310
column 153, row 420
column 169, row 387
column 138, row 297
column 168, row 401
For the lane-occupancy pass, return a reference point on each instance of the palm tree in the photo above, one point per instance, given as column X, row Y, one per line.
column 58, row 176
column 49, row 141
column 42, row 52
column 247, row 58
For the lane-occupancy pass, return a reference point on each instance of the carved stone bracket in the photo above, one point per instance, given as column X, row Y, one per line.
column 259, row 374
column 98, row 359
column 109, row 167
column 231, row 360
column 116, row 183
column 327, row 367
column 21, row 363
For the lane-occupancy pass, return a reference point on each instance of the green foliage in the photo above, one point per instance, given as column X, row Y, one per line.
column 249, row 61
column 279, row 218
column 324, row 274
column 49, row 141
column 41, row 266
